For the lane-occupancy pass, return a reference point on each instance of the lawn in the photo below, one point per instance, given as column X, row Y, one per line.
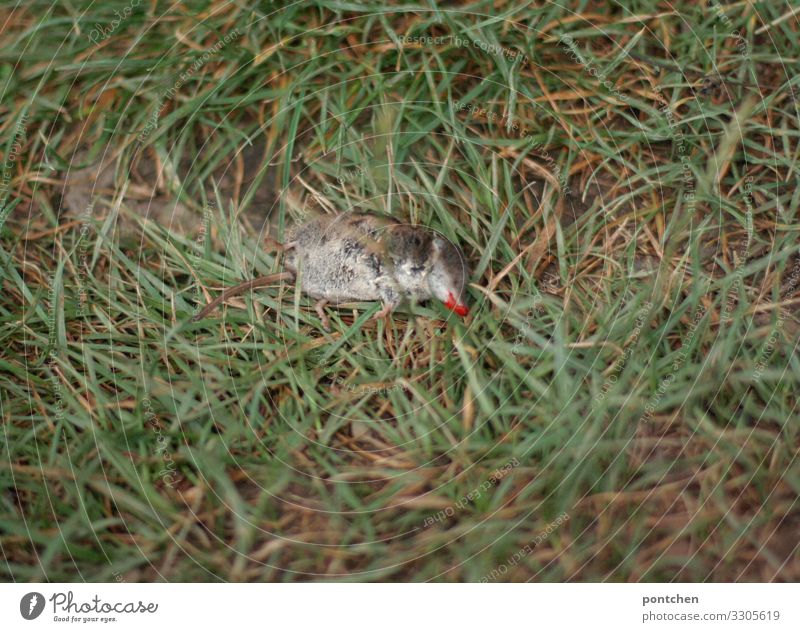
column 621, row 402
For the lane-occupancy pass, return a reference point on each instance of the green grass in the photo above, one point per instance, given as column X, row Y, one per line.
column 621, row 403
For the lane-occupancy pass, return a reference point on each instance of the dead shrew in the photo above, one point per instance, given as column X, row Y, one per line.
column 365, row 257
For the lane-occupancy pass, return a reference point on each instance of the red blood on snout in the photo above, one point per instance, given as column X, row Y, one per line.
column 451, row 304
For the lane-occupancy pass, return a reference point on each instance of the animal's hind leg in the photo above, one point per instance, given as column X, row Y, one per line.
column 391, row 300
column 320, row 307
column 385, row 311
column 274, row 243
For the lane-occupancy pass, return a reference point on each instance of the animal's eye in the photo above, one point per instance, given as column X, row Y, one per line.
column 417, row 269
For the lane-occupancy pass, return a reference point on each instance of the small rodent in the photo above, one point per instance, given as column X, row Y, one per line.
column 359, row 256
